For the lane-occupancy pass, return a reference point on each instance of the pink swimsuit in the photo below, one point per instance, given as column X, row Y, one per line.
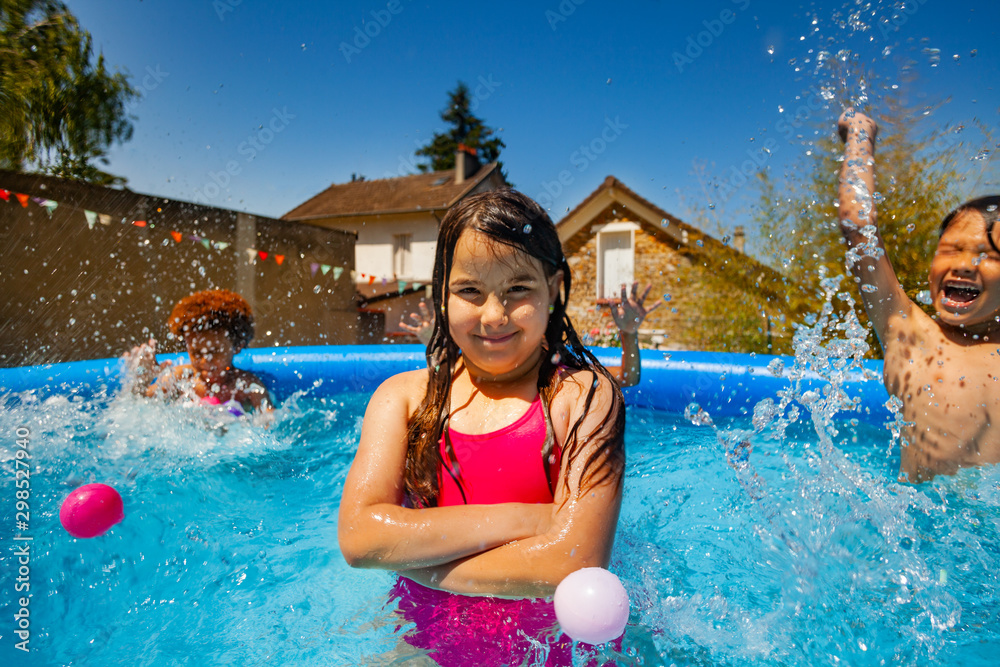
column 499, row 467
column 504, row 466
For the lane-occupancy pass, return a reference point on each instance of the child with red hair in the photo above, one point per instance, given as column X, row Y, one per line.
column 214, row 325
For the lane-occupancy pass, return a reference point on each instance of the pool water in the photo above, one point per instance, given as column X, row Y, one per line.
column 789, row 552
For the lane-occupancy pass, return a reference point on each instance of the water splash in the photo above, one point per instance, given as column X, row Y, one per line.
column 838, row 512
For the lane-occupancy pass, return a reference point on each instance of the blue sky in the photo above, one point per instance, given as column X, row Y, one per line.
column 293, row 97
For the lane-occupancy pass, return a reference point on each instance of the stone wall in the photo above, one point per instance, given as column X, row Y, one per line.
column 703, row 307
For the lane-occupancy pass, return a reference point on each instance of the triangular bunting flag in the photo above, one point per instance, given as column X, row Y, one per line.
column 251, row 254
column 139, row 223
column 91, row 218
column 207, row 243
column 22, row 198
column 402, row 286
column 50, row 206
column 178, row 237
column 104, row 218
column 326, row 269
column 262, row 254
column 221, row 245
column 194, row 238
column 417, row 285
column 313, row 268
column 337, row 271
column 4, row 194
column 371, row 280
column 384, row 282
column 39, row 200
column 279, row 259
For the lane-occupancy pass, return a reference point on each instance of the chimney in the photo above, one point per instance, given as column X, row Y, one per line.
column 739, row 238
column 466, row 163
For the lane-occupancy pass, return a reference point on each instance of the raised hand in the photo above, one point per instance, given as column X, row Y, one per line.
column 422, row 324
column 141, row 367
column 853, row 122
column 629, row 313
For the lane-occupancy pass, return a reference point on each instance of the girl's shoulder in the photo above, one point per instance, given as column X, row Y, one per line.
column 408, row 387
column 573, row 386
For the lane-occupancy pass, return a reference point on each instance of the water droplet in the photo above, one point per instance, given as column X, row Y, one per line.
column 868, row 289
column 694, row 414
column 667, row 297
column 316, row 289
column 556, row 358
column 664, row 223
column 770, row 50
column 527, row 229
column 924, row 297
column 910, row 227
column 973, row 53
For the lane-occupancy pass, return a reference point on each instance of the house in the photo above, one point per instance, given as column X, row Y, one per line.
column 396, row 221
column 91, row 271
column 716, row 297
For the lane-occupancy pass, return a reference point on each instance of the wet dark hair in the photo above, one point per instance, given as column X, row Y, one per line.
column 988, row 207
column 509, row 218
column 214, row 309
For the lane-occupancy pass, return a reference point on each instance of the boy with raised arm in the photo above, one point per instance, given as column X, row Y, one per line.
column 944, row 368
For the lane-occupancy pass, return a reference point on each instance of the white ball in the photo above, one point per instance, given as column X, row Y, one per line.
column 592, row 605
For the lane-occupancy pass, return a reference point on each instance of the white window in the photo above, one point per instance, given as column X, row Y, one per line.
column 615, row 258
column 401, row 259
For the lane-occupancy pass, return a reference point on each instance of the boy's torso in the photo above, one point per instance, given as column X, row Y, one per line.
column 950, row 392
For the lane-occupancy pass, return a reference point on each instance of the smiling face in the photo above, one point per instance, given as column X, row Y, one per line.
column 498, row 306
column 965, row 276
column 211, row 352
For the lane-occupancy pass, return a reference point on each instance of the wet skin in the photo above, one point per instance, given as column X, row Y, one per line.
column 945, row 369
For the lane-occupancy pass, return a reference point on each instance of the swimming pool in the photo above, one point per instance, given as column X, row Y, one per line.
column 796, row 550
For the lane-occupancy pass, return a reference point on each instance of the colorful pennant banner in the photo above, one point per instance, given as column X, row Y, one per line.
column 253, row 254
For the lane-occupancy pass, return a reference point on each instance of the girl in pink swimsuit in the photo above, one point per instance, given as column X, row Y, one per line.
column 486, row 478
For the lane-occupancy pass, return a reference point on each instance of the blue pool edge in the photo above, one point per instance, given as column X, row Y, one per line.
column 725, row 384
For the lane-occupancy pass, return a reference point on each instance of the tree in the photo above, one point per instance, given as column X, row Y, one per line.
column 60, row 109
column 466, row 129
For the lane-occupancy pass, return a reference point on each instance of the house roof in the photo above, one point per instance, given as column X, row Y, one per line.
column 436, row 190
column 611, row 189
column 666, row 226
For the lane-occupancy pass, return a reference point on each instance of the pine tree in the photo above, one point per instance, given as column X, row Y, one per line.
column 60, row 109
column 466, row 129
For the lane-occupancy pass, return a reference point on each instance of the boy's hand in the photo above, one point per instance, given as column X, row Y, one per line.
column 852, row 122
column 629, row 313
column 423, row 324
column 140, row 363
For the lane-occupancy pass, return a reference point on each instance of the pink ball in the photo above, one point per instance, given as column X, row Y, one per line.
column 592, row 605
column 91, row 510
